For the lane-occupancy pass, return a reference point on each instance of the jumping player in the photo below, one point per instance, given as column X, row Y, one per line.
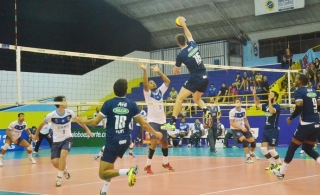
column 197, row 83
column 62, row 138
column 14, row 132
column 156, row 115
column 307, row 105
column 119, row 112
column 271, row 132
column 241, row 129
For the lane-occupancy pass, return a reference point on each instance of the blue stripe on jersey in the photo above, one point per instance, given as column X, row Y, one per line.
column 156, row 95
column 239, row 115
column 61, row 121
column 20, row 127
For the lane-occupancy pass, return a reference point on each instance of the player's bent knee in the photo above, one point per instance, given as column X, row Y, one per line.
column 29, row 148
column 264, row 150
column 273, row 152
column 253, row 144
column 6, row 146
column 245, row 143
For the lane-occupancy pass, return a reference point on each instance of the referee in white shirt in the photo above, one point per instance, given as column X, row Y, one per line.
column 44, row 134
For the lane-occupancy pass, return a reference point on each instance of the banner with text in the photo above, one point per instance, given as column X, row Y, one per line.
column 274, row 6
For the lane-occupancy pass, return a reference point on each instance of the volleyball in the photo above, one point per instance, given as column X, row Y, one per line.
column 178, row 22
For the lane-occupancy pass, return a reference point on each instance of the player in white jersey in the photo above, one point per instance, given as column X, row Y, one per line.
column 44, row 134
column 156, row 115
column 103, row 122
column 241, row 129
column 14, row 132
column 62, row 138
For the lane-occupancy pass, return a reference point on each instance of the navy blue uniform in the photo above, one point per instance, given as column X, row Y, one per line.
column 119, row 112
column 190, row 56
column 271, row 131
column 309, row 126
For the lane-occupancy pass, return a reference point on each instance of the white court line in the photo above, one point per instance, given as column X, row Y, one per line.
column 171, row 173
column 258, row 185
column 22, row 192
column 88, row 168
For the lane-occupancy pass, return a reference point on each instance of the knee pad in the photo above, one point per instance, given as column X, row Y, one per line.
column 290, row 152
column 6, row 146
column 245, row 143
column 264, row 150
column 274, row 153
column 131, row 146
column 253, row 144
column 29, row 148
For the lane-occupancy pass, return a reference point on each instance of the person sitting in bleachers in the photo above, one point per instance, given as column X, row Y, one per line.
column 245, row 82
column 228, row 135
column 238, row 81
column 223, row 92
column 183, row 131
column 196, row 133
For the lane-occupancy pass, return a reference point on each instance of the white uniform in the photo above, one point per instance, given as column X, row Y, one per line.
column 144, row 115
column 16, row 129
column 238, row 116
column 46, row 129
column 101, row 122
column 61, row 124
column 156, row 113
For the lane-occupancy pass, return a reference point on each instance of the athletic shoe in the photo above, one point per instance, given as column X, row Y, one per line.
column 131, row 154
column 96, row 157
column 66, row 174
column 168, row 167
column 315, row 147
column 58, row 182
column 189, row 145
column 224, row 146
column 32, row 160
column 301, row 152
column 1, row 164
column 234, row 146
column 254, row 156
column 277, row 173
column 271, row 166
column 148, row 170
column 34, row 152
column 103, row 193
column 168, row 127
column 213, row 151
column 249, row 160
column 132, row 175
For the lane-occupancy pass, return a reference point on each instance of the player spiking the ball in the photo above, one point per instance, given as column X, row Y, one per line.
column 198, row 81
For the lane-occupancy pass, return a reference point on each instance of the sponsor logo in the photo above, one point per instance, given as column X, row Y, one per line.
column 311, row 94
column 119, row 110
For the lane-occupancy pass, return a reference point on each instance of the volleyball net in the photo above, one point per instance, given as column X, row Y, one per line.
column 34, row 76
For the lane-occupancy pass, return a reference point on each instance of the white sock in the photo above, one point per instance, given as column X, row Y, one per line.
column 123, row 172
column 247, row 155
column 60, row 173
column 1, row 156
column 30, row 155
column 66, row 169
column 165, row 160
column 278, row 161
column 105, row 186
column 148, row 161
column 284, row 168
column 272, row 161
column 318, row 160
column 180, row 142
column 100, row 154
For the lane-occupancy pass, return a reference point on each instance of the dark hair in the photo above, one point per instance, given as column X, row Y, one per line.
column 303, row 79
column 58, row 99
column 33, row 127
column 20, row 114
column 275, row 94
column 120, row 87
column 235, row 99
column 181, row 39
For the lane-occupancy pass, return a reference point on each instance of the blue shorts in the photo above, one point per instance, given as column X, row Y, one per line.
column 18, row 141
column 271, row 136
column 157, row 127
column 115, row 147
column 239, row 133
column 58, row 146
column 307, row 132
column 194, row 84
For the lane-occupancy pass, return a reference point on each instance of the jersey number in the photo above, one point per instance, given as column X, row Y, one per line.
column 120, row 122
column 197, row 57
column 315, row 106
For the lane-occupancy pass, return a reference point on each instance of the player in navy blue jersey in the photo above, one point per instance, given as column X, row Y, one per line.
column 119, row 112
column 198, row 81
column 271, row 132
column 307, row 106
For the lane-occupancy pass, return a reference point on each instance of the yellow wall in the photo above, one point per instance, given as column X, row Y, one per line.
column 31, row 118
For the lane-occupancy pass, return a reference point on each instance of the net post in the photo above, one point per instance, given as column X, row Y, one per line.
column 18, row 67
column 289, row 91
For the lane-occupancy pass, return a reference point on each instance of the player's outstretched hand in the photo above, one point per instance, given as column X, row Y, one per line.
column 82, row 119
column 288, row 121
column 142, row 66
column 182, row 21
column 155, row 68
column 176, row 70
column 158, row 135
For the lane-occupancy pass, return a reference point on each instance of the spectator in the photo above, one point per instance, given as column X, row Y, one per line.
column 196, row 133
column 238, row 81
column 233, row 92
column 258, row 80
column 212, row 125
column 228, row 135
column 223, row 92
column 279, row 52
column 172, row 95
column 317, row 64
column 184, row 131
column 212, row 91
column 265, row 89
column 253, row 78
column 312, row 73
column 33, row 131
column 245, row 82
column 287, row 58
